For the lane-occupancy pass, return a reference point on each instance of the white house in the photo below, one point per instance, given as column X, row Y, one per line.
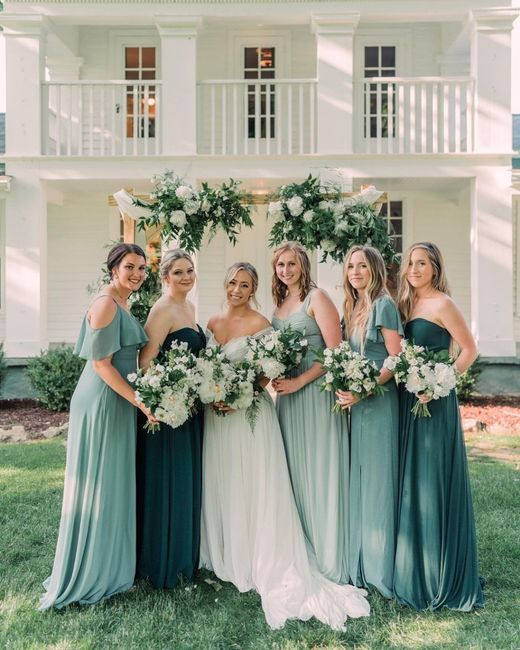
column 413, row 96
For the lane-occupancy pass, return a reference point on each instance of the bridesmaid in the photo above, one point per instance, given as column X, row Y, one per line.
column 95, row 554
column 373, row 327
column 316, row 447
column 169, row 475
column 436, row 559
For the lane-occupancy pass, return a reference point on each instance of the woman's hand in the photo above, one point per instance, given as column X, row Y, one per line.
column 346, row 399
column 424, row 398
column 221, row 407
column 286, row 386
column 149, row 415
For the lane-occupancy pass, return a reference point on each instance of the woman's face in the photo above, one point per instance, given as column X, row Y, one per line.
column 130, row 272
column 358, row 273
column 420, row 270
column 288, row 269
column 181, row 276
column 239, row 290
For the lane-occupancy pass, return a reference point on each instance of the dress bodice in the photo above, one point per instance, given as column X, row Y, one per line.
column 195, row 339
column 235, row 349
column 421, row 331
column 302, row 322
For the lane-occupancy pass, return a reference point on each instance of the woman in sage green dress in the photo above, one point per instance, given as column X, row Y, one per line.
column 314, row 437
column 95, row 554
column 373, row 327
column 169, row 462
column 436, row 558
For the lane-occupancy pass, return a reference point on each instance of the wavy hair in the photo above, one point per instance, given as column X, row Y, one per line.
column 376, row 287
column 278, row 288
column 250, row 270
column 170, row 257
column 406, row 293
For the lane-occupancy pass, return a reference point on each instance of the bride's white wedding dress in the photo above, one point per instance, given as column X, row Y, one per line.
column 251, row 533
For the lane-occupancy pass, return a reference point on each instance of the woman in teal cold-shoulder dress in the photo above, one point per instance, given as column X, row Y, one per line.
column 373, row 327
column 95, row 553
column 315, row 438
column 436, row 559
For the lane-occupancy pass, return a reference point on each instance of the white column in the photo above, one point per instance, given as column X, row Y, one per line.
column 25, row 263
column 491, row 69
column 24, row 66
column 335, row 70
column 492, row 262
column 179, row 83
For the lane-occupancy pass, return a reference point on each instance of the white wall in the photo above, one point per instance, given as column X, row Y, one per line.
column 515, row 59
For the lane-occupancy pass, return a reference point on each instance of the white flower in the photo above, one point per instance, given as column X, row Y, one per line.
column 295, row 205
column 329, row 378
column 324, row 205
column 191, row 207
column 132, row 377
column 308, row 216
column 178, row 218
column 390, row 363
column 275, row 211
column 159, row 368
column 328, row 245
column 342, row 226
column 272, row 368
column 184, row 192
column 205, row 205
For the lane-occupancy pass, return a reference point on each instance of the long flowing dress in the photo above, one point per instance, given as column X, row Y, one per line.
column 251, row 532
column 169, row 484
column 374, row 447
column 316, row 445
column 95, row 554
column 436, row 560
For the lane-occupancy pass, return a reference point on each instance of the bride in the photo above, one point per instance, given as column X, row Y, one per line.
column 250, row 531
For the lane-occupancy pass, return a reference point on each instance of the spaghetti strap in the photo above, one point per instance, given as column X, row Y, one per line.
column 305, row 303
column 103, row 295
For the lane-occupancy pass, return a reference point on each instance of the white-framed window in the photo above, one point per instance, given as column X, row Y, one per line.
column 260, row 63
column 392, row 210
column 140, row 64
column 379, row 61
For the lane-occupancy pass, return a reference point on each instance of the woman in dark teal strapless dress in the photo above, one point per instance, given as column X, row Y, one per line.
column 436, row 559
column 169, row 462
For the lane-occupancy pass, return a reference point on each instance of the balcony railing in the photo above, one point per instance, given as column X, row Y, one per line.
column 101, row 118
column 415, row 115
column 256, row 116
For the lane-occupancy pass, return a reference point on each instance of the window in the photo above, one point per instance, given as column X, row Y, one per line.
column 259, row 63
column 140, row 65
column 393, row 211
column 379, row 61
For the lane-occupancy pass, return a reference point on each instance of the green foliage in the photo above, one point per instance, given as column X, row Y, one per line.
column 317, row 216
column 140, row 302
column 3, row 364
column 466, row 382
column 54, row 375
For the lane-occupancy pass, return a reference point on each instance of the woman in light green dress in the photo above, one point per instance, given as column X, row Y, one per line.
column 315, row 438
column 95, row 554
column 373, row 327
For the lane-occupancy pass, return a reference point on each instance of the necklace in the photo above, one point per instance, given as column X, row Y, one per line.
column 123, row 300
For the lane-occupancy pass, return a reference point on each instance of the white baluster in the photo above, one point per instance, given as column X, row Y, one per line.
column 312, row 118
column 289, row 119
column 223, row 108
column 458, row 109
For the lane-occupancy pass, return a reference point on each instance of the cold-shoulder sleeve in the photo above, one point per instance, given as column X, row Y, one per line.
column 122, row 331
column 384, row 314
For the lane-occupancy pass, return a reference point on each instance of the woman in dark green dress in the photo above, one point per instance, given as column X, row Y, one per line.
column 95, row 554
column 169, row 462
column 436, row 558
column 373, row 327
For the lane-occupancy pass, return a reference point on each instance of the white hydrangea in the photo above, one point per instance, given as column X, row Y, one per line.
column 178, row 218
column 295, row 205
column 184, row 192
column 308, row 216
column 271, row 368
column 191, row 207
column 275, row 211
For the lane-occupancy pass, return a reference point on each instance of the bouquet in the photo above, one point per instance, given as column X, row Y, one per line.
column 169, row 387
column 349, row 371
column 277, row 352
column 224, row 382
column 423, row 373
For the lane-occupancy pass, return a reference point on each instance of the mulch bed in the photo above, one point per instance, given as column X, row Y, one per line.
column 501, row 410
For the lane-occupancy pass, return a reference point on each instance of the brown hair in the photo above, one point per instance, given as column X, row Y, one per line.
column 119, row 251
column 250, row 270
column 376, row 288
column 406, row 293
column 279, row 289
column 170, row 257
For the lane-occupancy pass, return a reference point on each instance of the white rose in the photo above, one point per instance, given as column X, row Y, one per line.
column 308, row 216
column 390, row 363
column 178, row 218
column 132, row 377
column 184, row 192
column 295, row 205
column 275, row 211
column 328, row 245
column 191, row 207
column 272, row 368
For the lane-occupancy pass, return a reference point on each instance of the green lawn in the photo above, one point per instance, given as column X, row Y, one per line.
column 202, row 617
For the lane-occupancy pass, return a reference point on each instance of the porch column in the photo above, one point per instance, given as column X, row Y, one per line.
column 335, row 71
column 179, row 84
column 492, row 262
column 25, row 263
column 24, row 39
column 491, row 69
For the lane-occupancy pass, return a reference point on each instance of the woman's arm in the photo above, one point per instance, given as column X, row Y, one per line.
column 157, row 326
column 453, row 320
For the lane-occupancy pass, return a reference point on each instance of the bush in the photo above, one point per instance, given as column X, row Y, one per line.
column 466, row 382
column 54, row 375
column 3, row 364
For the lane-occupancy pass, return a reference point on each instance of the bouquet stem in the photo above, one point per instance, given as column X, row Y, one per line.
column 421, row 410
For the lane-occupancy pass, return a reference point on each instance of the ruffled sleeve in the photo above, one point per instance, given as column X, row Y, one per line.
column 384, row 314
column 122, row 331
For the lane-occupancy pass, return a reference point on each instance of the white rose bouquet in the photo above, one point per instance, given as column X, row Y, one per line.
column 277, row 352
column 169, row 386
column 223, row 382
column 349, row 371
column 423, row 373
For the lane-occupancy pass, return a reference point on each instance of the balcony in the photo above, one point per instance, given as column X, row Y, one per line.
column 392, row 115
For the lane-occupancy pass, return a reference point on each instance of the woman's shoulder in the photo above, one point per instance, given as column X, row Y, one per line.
column 259, row 321
column 384, row 301
column 102, row 311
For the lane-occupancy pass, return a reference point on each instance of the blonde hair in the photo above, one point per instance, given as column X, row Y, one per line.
column 250, row 270
column 376, row 287
column 279, row 289
column 170, row 257
column 406, row 293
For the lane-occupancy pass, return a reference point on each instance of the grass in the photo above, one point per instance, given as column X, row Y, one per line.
column 30, row 498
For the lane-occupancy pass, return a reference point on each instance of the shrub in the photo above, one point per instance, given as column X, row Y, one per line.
column 466, row 382
column 54, row 375
column 3, row 364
